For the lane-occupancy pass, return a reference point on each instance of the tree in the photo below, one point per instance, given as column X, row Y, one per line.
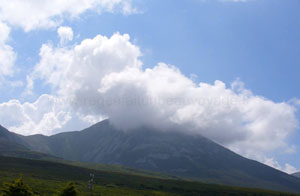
column 68, row 190
column 16, row 188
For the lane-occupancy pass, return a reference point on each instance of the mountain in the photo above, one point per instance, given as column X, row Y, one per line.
column 10, row 141
column 297, row 174
column 14, row 145
column 170, row 152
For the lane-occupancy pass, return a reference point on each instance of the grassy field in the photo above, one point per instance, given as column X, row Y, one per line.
column 45, row 178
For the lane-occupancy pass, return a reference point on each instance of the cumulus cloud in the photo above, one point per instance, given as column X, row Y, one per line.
column 80, row 70
column 104, row 76
column 7, row 55
column 238, row 119
column 65, row 34
column 50, row 13
column 47, row 115
column 44, row 15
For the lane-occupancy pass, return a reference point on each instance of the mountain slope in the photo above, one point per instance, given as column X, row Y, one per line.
column 46, row 177
column 14, row 145
column 10, row 141
column 297, row 174
column 172, row 152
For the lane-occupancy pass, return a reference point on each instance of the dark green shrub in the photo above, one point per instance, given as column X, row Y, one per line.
column 68, row 190
column 16, row 188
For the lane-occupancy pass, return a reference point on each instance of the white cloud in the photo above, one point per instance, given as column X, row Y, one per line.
column 295, row 102
column 7, row 55
column 32, row 14
column 51, row 114
column 240, row 120
column 273, row 163
column 47, row 115
column 82, row 67
column 65, row 34
column 4, row 32
column 290, row 169
column 104, row 76
column 29, row 86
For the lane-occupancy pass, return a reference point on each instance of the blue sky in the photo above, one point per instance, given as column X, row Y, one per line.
column 255, row 41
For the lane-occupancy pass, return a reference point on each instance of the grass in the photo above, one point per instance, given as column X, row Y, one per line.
column 45, row 178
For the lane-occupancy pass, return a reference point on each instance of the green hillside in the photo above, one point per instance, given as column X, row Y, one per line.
column 45, row 178
column 119, row 169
